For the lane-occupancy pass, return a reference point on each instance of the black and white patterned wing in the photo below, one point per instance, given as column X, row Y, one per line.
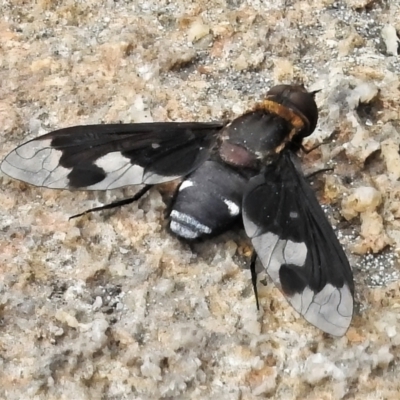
column 100, row 157
column 297, row 246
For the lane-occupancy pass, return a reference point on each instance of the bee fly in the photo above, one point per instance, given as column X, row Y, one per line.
column 247, row 168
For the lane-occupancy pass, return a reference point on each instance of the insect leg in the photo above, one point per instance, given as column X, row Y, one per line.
column 254, row 277
column 117, row 203
column 307, row 151
column 318, row 171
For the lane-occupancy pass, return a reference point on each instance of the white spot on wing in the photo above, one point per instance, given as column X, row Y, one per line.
column 270, row 251
column 58, row 179
column 249, row 226
column 232, row 207
column 345, row 307
column 301, row 301
column 330, row 310
column 129, row 175
column 295, row 253
column 119, row 172
column 31, row 150
column 37, row 163
column 185, row 184
column 274, row 252
column 111, row 162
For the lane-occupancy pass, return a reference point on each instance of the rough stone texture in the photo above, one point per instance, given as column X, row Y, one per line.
column 110, row 306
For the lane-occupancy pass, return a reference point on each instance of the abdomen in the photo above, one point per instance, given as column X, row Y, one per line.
column 208, row 202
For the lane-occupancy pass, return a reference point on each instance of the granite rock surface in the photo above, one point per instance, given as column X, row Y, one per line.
column 110, row 306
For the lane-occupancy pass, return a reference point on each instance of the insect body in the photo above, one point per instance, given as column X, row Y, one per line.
column 246, row 168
